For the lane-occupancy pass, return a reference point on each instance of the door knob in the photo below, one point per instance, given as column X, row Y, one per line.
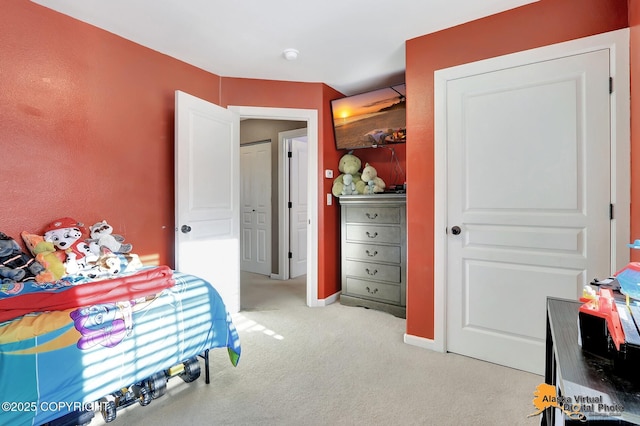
column 185, row 229
column 456, row 230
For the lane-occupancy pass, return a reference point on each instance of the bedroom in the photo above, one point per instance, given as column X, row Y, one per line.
column 87, row 123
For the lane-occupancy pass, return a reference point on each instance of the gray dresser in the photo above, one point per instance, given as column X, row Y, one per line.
column 374, row 252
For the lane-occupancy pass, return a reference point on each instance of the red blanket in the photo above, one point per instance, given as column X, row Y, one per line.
column 143, row 283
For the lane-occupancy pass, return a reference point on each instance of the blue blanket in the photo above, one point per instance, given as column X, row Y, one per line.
column 52, row 362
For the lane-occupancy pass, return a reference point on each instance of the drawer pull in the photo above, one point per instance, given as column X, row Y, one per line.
column 375, row 290
column 372, row 255
column 375, row 234
column 375, row 271
column 371, row 216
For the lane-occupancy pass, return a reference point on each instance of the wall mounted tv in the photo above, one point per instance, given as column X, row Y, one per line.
column 370, row 119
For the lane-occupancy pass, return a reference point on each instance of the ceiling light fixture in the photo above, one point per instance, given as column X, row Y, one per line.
column 290, row 54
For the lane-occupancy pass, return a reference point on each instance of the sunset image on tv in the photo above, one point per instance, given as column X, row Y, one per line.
column 370, row 119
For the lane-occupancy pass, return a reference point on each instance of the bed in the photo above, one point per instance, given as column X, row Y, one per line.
column 66, row 345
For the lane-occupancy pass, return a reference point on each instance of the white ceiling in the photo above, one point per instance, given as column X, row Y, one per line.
column 350, row 45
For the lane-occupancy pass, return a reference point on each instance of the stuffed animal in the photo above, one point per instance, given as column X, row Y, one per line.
column 349, row 165
column 14, row 263
column 371, row 183
column 45, row 253
column 349, row 187
column 102, row 236
column 66, row 235
column 338, row 184
column 110, row 264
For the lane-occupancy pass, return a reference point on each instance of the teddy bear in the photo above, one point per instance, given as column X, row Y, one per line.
column 102, row 236
column 16, row 265
column 348, row 187
column 45, row 253
column 370, row 183
column 349, row 165
column 66, row 235
column 338, row 184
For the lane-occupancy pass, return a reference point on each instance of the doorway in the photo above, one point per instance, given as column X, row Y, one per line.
column 292, row 172
column 310, row 117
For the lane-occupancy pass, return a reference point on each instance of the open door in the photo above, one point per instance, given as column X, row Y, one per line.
column 207, row 191
column 298, row 187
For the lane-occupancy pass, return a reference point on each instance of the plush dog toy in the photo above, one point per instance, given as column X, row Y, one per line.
column 14, row 263
column 102, row 236
column 66, row 234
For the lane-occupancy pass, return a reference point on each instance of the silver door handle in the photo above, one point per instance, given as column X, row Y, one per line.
column 185, row 229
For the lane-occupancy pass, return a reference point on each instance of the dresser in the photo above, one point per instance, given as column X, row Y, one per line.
column 374, row 252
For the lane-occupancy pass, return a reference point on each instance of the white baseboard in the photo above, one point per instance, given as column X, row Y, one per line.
column 329, row 300
column 422, row 342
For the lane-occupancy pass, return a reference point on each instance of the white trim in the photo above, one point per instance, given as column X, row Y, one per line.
column 618, row 44
column 283, row 199
column 329, row 300
column 421, row 342
column 311, row 117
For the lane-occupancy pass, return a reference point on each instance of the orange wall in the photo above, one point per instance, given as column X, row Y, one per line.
column 86, row 127
column 634, row 24
column 538, row 24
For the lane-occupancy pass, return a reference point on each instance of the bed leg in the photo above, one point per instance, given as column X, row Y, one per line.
column 206, row 366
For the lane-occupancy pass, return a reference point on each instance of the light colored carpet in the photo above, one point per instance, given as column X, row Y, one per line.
column 335, row 365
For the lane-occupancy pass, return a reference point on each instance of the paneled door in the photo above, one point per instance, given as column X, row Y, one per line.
column 207, row 191
column 255, row 206
column 298, row 215
column 528, row 190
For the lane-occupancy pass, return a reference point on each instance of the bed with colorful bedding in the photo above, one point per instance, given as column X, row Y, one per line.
column 67, row 345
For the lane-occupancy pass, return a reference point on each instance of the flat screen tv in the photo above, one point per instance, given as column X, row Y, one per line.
column 370, row 119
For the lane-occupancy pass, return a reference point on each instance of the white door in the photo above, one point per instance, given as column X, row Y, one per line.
column 255, row 205
column 298, row 212
column 207, row 186
column 528, row 156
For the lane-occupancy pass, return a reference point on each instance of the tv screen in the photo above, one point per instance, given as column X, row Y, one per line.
column 370, row 119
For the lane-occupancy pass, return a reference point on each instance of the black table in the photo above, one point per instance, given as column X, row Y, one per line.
column 577, row 374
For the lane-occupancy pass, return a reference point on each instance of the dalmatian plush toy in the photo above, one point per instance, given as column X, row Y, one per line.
column 66, row 235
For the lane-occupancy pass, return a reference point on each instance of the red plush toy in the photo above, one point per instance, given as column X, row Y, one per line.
column 66, row 234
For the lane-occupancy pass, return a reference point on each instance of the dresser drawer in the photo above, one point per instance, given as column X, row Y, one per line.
column 373, row 214
column 373, row 234
column 373, row 290
column 372, row 253
column 372, row 271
